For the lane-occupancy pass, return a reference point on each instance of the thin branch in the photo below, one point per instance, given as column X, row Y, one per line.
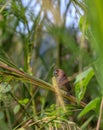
column 68, row 5
column 100, row 115
column 23, row 108
column 18, row 74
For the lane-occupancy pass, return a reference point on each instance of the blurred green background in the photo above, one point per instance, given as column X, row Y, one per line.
column 38, row 36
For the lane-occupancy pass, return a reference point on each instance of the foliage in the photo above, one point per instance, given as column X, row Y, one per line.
column 36, row 38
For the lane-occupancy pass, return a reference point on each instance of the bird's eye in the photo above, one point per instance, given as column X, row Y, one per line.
column 64, row 75
column 55, row 73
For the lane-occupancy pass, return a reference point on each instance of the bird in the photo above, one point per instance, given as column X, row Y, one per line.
column 62, row 80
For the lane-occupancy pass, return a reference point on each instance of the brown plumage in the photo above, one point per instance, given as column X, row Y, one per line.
column 62, row 80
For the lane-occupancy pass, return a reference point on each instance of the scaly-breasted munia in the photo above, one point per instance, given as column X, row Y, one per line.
column 62, row 80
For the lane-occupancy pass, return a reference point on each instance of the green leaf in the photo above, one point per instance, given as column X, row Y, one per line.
column 96, row 35
column 86, row 123
column 24, row 101
column 84, row 74
column 81, row 83
column 16, row 109
column 82, row 21
column 5, row 87
column 1, row 115
column 91, row 106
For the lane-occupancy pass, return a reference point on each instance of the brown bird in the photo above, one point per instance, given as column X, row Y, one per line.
column 62, row 80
